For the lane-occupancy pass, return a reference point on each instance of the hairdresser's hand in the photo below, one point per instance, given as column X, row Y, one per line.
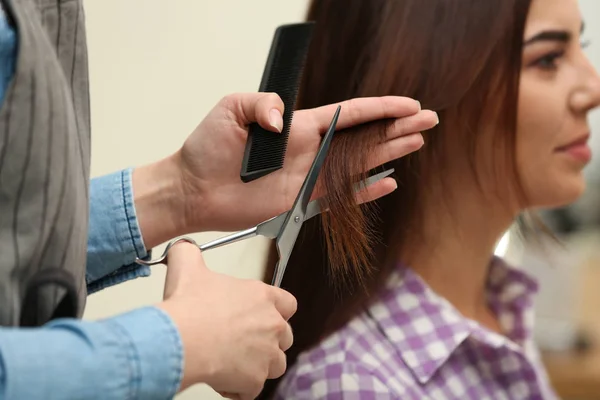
column 199, row 187
column 211, row 157
column 234, row 331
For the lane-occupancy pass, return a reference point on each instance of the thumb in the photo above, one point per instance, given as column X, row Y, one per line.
column 265, row 108
column 184, row 261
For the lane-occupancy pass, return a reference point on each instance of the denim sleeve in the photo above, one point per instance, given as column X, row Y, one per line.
column 137, row 355
column 114, row 238
column 8, row 53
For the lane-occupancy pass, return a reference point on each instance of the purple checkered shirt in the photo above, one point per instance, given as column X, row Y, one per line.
column 413, row 344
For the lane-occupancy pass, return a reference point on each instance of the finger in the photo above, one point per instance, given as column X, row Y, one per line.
column 419, row 122
column 184, row 253
column 285, row 303
column 361, row 110
column 372, row 192
column 278, row 366
column 383, row 153
column 376, row 190
column 287, row 338
column 264, row 108
column 183, row 259
column 395, row 149
column 269, row 112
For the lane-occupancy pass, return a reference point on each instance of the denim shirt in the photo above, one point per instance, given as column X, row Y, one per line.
column 136, row 355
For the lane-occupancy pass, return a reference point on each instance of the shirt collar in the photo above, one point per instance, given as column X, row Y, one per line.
column 510, row 295
column 426, row 329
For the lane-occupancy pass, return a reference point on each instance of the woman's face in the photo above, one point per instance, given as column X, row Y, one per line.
column 558, row 88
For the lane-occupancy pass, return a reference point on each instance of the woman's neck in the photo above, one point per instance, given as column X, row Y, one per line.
column 455, row 246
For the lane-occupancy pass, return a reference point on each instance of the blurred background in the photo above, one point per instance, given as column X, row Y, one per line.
column 158, row 67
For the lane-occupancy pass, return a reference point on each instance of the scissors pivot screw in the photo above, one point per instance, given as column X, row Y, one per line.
column 296, row 219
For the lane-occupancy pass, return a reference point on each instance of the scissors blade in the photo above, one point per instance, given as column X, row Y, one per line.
column 271, row 228
column 318, row 206
column 293, row 222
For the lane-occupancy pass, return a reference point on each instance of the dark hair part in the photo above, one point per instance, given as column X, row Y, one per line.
column 461, row 58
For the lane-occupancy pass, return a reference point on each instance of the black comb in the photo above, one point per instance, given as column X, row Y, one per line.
column 265, row 150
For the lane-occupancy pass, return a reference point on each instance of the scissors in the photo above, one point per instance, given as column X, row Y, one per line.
column 285, row 227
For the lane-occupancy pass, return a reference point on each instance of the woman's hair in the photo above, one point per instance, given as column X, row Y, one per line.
column 461, row 58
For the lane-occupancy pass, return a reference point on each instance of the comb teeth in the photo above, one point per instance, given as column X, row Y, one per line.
column 265, row 150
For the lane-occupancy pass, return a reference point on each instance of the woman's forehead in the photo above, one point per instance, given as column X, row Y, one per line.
column 561, row 15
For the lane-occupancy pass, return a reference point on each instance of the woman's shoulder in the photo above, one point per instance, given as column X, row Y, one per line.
column 354, row 362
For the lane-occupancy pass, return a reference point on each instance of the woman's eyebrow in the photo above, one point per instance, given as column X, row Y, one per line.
column 562, row 36
column 550, row 36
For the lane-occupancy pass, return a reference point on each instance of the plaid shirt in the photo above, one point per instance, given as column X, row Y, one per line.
column 413, row 344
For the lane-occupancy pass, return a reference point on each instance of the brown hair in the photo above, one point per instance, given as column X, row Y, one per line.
column 460, row 58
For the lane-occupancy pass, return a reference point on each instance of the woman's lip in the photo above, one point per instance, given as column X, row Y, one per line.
column 578, row 149
column 582, row 140
column 580, row 152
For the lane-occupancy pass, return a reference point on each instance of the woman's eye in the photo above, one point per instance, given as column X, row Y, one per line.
column 549, row 61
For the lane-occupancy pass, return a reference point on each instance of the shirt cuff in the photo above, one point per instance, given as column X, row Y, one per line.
column 137, row 355
column 156, row 352
column 114, row 239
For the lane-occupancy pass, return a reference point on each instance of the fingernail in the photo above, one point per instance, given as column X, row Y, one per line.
column 419, row 103
column 438, row 118
column 276, row 120
column 395, row 185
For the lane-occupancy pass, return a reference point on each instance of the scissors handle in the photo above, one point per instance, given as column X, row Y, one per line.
column 234, row 237
column 223, row 241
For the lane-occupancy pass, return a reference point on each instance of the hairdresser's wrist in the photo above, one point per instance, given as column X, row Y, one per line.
column 159, row 198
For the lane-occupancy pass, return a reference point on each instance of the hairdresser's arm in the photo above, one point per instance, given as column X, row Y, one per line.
column 137, row 355
column 337, row 380
column 132, row 211
column 115, row 238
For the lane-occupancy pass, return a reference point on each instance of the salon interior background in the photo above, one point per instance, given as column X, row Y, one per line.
column 157, row 70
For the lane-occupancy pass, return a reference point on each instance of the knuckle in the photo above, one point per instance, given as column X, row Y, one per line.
column 275, row 352
column 229, row 98
column 264, row 292
column 293, row 303
column 231, row 102
column 273, row 97
column 400, row 125
column 279, row 365
column 289, row 334
column 280, row 326
column 258, row 289
column 285, row 296
column 353, row 111
column 383, row 107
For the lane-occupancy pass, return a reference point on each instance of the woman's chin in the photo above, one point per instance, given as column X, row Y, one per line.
column 562, row 194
